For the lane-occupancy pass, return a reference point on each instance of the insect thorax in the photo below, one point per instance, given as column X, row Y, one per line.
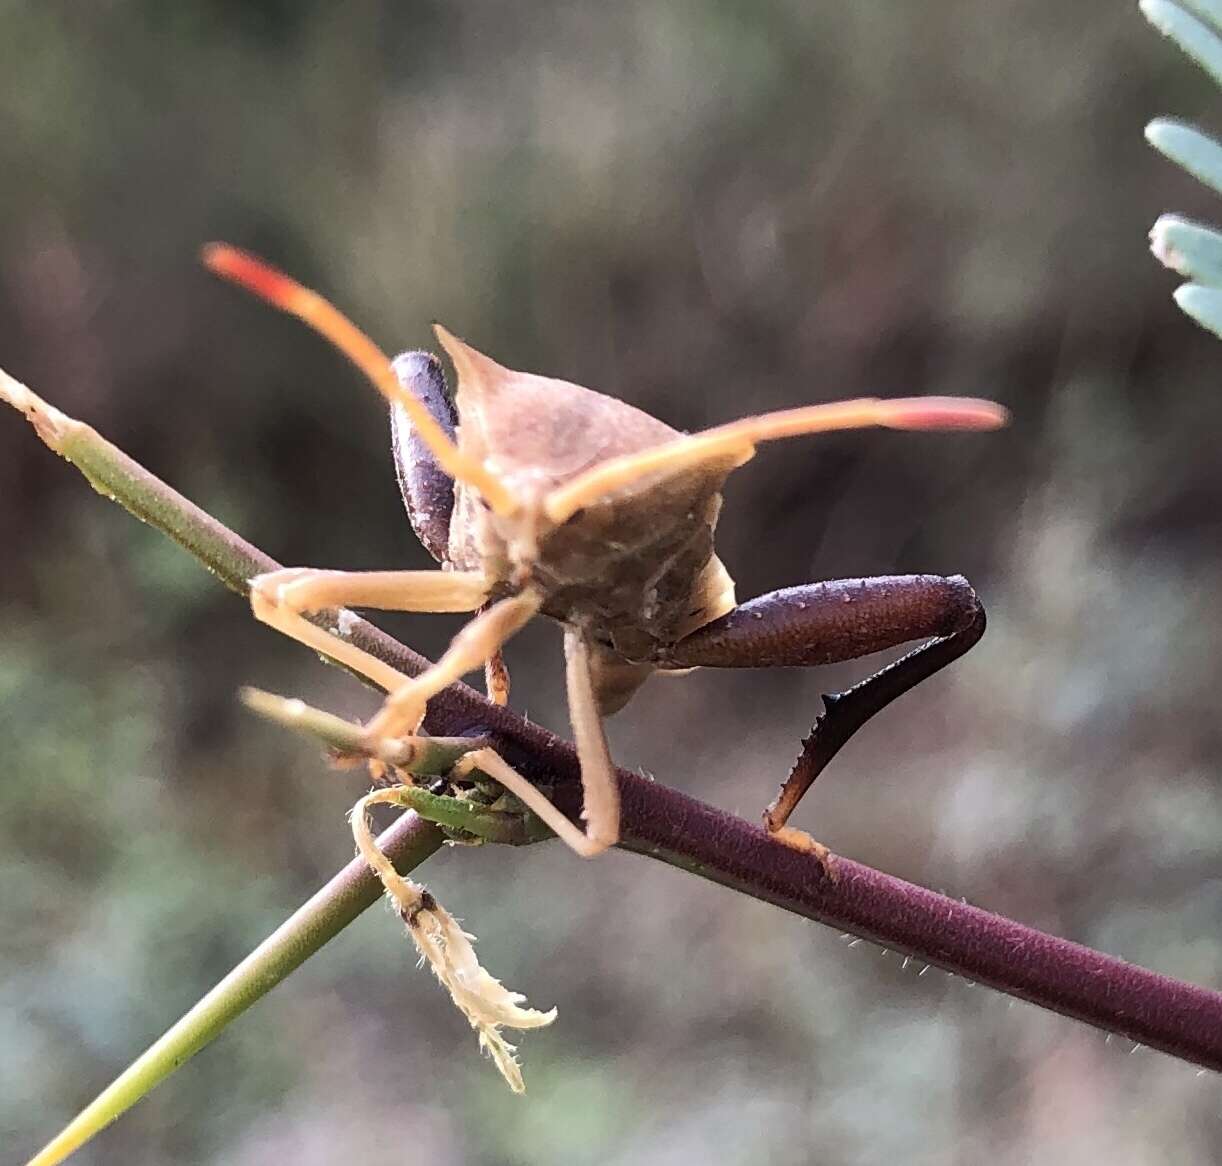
column 632, row 568
column 636, row 571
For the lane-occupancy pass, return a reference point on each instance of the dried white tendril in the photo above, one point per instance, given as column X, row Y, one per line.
column 486, row 1003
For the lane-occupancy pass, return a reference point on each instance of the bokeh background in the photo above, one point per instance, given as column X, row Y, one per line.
column 707, row 208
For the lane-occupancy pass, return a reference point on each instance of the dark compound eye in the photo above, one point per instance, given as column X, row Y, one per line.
column 427, row 490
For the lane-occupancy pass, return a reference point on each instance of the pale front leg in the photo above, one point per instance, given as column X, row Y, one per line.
column 279, row 598
column 309, row 589
column 478, row 642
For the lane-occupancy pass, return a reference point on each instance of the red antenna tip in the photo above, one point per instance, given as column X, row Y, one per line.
column 945, row 413
column 251, row 273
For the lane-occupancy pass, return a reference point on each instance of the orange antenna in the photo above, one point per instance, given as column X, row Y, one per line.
column 285, row 293
column 736, row 441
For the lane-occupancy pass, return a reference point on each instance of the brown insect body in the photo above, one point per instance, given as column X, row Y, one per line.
column 635, row 570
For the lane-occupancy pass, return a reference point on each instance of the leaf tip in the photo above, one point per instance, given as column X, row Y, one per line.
column 1162, row 246
column 1157, row 131
column 1155, row 11
column 1203, row 304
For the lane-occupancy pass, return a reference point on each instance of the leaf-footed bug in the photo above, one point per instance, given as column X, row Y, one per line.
column 536, row 496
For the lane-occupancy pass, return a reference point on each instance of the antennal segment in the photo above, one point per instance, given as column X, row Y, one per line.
column 285, row 293
column 736, row 441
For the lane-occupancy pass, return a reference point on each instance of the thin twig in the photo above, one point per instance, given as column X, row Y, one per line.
column 408, row 842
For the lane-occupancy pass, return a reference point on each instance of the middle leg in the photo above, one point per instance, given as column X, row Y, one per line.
column 600, row 790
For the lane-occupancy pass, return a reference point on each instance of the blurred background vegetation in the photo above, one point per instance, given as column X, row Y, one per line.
column 708, row 209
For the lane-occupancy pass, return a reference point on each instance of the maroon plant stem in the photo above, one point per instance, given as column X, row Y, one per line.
column 1151, row 1009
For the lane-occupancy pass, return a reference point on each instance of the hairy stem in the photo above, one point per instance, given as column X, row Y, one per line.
column 1151, row 1009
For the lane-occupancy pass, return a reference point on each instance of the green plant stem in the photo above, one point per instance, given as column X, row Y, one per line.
column 408, row 842
column 121, row 479
column 426, row 756
column 116, row 476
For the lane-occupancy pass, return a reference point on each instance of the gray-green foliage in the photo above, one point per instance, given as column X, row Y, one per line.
column 1190, row 248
